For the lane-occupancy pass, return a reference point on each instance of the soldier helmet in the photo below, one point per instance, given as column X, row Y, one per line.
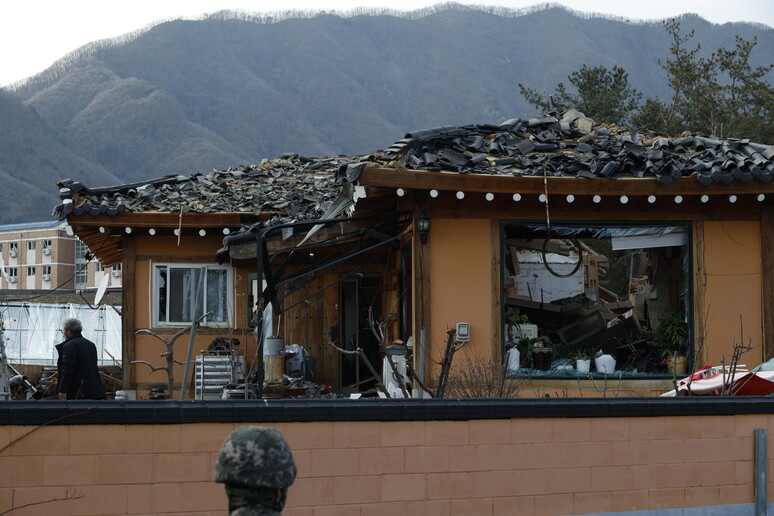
column 255, row 456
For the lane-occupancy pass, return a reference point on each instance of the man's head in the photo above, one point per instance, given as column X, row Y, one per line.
column 256, row 464
column 71, row 326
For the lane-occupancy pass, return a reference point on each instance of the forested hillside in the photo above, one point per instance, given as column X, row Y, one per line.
column 190, row 96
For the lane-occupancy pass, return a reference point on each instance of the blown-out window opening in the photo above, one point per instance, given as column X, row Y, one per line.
column 613, row 298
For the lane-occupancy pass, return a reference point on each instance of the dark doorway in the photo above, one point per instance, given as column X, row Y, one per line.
column 358, row 295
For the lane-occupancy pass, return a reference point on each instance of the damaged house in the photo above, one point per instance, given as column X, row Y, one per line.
column 546, row 240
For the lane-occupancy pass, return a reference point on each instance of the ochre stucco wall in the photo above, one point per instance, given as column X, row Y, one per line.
column 461, row 286
column 525, row 467
column 199, row 250
column 733, row 295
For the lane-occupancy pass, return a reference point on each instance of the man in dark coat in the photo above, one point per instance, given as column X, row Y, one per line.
column 78, row 376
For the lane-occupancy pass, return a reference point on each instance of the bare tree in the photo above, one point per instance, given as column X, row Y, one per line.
column 169, row 353
column 69, row 495
column 483, row 378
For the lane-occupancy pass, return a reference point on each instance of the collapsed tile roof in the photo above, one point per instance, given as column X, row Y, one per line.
column 571, row 145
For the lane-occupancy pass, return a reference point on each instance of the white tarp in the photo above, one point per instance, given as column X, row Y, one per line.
column 33, row 329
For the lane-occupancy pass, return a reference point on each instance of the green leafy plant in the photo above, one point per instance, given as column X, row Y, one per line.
column 672, row 333
column 514, row 319
column 580, row 354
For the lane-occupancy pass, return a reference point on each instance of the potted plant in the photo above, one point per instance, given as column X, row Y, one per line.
column 604, row 363
column 513, row 358
column 542, row 352
column 514, row 319
column 672, row 335
column 582, row 360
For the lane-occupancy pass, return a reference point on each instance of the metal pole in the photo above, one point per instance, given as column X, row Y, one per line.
column 261, row 274
column 187, row 369
column 761, row 472
column 5, row 389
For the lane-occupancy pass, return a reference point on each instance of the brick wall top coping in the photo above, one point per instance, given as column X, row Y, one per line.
column 53, row 412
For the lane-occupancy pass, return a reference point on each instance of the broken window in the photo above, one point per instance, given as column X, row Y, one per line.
column 609, row 292
column 185, row 292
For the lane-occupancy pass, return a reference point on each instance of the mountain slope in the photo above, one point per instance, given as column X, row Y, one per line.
column 189, row 96
column 32, row 160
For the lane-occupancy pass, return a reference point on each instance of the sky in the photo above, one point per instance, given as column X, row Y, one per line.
column 35, row 33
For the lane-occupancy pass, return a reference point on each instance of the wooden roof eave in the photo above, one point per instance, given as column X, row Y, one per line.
column 103, row 234
column 154, row 219
column 453, row 181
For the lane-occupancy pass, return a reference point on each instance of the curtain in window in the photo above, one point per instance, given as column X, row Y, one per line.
column 217, row 295
column 185, row 299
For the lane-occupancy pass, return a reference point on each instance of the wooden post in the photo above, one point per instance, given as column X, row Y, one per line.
column 767, row 278
column 497, row 349
column 420, row 291
column 329, row 369
column 699, row 356
column 129, row 311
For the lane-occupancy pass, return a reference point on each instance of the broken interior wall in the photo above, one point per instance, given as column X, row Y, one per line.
column 535, row 283
column 462, row 289
column 732, row 260
column 310, row 322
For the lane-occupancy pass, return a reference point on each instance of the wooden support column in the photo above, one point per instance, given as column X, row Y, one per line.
column 421, row 301
column 767, row 278
column 329, row 368
column 129, row 310
column 700, row 310
column 496, row 275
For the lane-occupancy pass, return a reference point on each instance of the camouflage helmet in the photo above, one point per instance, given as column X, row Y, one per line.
column 255, row 456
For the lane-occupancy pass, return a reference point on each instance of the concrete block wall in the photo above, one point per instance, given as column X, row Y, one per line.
column 526, row 467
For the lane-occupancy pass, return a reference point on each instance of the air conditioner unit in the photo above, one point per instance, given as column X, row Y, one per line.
column 47, row 277
column 12, row 253
column 47, row 251
column 12, row 279
column 116, row 274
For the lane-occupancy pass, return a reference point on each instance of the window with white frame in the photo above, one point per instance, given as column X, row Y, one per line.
column 183, row 292
column 47, row 244
column 30, row 271
column 47, row 269
column 99, row 267
column 12, row 246
column 30, row 245
column 13, row 272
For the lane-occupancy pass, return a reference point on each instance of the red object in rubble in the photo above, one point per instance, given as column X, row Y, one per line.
column 710, row 381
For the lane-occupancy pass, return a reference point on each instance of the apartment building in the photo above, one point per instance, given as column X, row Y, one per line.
column 47, row 256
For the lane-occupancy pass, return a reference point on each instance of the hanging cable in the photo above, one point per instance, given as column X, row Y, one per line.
column 575, row 269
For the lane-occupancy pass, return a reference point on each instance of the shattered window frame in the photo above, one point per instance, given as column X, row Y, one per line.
column 223, row 310
column 591, row 316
